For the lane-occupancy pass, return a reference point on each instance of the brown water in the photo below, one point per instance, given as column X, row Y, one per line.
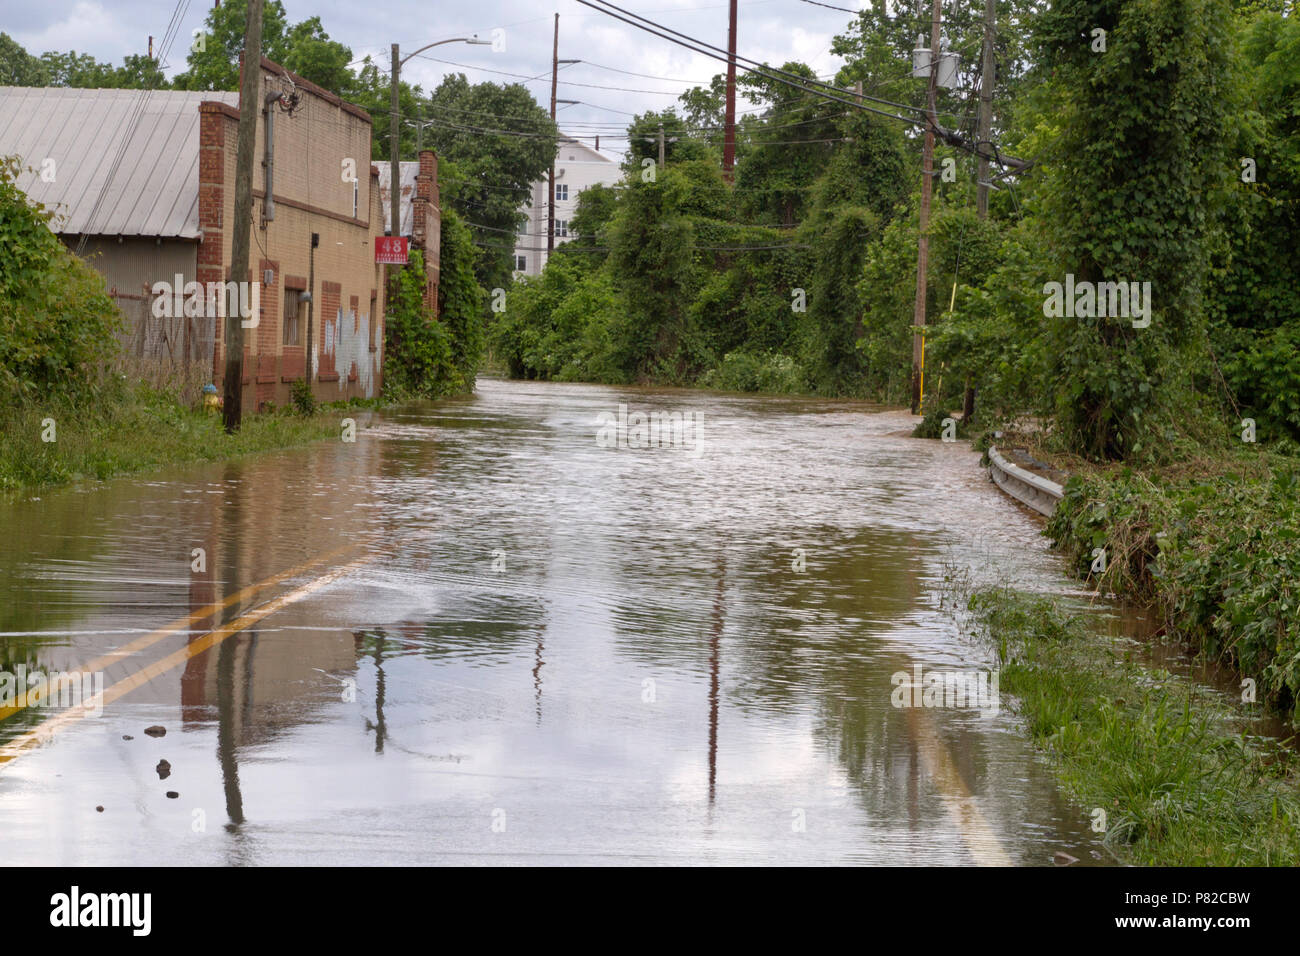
column 530, row 648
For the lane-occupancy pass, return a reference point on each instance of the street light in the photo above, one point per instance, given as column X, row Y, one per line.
column 394, row 130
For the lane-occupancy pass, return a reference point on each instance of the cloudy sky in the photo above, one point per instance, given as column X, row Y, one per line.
column 771, row 30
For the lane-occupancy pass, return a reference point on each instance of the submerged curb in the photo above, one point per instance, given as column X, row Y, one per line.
column 1030, row 489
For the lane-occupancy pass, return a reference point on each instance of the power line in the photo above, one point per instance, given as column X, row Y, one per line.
column 952, row 137
column 766, row 72
column 817, row 3
column 133, row 120
column 718, row 53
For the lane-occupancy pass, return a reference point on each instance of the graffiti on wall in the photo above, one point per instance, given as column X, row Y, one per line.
column 345, row 349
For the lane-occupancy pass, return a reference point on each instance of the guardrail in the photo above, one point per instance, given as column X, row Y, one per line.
column 1030, row 489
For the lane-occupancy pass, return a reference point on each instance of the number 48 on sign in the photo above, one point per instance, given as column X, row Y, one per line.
column 391, row 250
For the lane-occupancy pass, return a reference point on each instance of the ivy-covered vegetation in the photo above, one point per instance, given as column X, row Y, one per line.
column 1164, row 142
column 800, row 275
column 57, row 323
column 428, row 357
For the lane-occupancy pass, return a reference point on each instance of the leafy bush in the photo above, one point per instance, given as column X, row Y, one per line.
column 1221, row 557
column 304, row 402
column 57, row 324
column 417, row 349
column 770, row 372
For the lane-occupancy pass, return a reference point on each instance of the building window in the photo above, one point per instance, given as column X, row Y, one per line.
column 291, row 317
column 523, row 228
column 521, row 263
column 355, row 191
column 561, row 191
column 561, row 227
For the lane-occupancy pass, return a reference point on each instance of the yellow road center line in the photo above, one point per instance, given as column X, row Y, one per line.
column 24, row 742
column 958, row 801
column 153, row 637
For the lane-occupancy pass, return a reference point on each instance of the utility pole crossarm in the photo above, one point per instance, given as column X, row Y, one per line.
column 983, row 150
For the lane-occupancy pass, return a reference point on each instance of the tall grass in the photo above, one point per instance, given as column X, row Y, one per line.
column 1171, row 764
column 123, row 428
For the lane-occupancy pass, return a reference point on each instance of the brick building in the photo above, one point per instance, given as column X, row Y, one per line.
column 143, row 182
column 421, row 215
column 322, row 182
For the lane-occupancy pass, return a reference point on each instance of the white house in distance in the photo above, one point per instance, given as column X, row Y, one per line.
column 577, row 166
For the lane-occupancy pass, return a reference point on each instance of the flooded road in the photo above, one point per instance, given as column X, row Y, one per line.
column 480, row 635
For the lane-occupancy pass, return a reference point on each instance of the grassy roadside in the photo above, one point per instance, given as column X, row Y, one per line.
column 1213, row 544
column 137, row 429
column 1180, row 780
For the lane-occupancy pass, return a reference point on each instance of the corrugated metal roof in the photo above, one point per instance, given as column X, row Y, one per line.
column 155, row 188
column 409, row 170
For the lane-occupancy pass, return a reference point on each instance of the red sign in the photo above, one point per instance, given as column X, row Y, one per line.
column 391, row 250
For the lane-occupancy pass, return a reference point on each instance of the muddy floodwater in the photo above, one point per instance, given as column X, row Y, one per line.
column 482, row 634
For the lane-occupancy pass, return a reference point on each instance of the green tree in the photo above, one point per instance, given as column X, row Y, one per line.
column 498, row 142
column 1254, row 313
column 314, row 56
column 460, row 300
column 216, row 65
column 1135, row 171
column 18, row 67
column 57, row 323
column 80, row 70
column 651, row 254
column 680, row 143
column 786, row 150
column 417, row 350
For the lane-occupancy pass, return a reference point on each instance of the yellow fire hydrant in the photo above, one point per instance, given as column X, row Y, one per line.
column 211, row 400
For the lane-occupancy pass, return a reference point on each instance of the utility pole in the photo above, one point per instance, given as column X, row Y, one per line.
column 250, row 102
column 923, row 239
column 555, row 70
column 394, row 153
column 661, row 145
column 729, row 134
column 986, row 110
column 550, row 205
column 311, row 302
column 983, row 137
column 395, row 127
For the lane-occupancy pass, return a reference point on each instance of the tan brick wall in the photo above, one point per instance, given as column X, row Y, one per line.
column 311, row 195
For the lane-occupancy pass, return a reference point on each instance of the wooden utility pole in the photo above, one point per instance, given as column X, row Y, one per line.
column 923, row 239
column 983, row 141
column 394, row 154
column 985, row 133
column 311, row 302
column 395, row 129
column 661, row 144
column 550, row 205
column 729, row 134
column 250, row 103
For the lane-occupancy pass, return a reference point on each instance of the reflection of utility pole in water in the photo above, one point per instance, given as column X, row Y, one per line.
column 719, row 619
column 226, row 731
column 378, row 725
column 537, row 677
column 233, row 502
